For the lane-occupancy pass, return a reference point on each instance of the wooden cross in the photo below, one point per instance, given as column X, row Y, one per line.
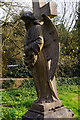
column 41, row 7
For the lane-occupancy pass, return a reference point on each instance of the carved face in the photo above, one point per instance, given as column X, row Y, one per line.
column 28, row 22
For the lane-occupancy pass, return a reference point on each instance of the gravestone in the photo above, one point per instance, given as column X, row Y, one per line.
column 41, row 7
column 42, row 54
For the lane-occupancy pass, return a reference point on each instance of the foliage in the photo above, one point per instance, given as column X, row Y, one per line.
column 13, row 36
column 17, row 101
column 29, row 83
column 12, row 45
column 21, row 71
column 77, row 26
column 68, row 81
column 13, row 32
column 69, row 52
column 7, row 83
column 10, row 9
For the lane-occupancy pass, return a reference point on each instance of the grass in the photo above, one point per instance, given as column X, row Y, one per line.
column 69, row 97
column 17, row 101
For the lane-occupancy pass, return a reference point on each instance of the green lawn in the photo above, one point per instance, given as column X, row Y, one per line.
column 69, row 97
column 17, row 101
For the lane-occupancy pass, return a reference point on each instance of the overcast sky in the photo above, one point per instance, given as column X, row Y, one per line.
column 30, row 1
column 69, row 7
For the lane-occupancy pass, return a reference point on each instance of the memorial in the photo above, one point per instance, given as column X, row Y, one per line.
column 42, row 54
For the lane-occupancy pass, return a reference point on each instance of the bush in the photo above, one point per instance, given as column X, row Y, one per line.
column 68, row 67
column 7, row 83
column 18, row 72
column 68, row 81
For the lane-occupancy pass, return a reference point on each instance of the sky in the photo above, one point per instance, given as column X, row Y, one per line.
column 69, row 8
column 29, row 2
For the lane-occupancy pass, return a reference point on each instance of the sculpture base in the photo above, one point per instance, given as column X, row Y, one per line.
column 46, row 112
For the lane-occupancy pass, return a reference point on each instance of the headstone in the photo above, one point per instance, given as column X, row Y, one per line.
column 41, row 7
column 42, row 54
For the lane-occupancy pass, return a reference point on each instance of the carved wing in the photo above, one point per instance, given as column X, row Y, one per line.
column 51, row 45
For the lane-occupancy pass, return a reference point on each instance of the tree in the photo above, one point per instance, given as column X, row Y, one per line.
column 69, row 44
column 13, row 32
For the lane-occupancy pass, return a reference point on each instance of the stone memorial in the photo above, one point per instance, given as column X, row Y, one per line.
column 42, row 54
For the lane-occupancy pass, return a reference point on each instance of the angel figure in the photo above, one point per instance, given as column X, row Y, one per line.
column 42, row 53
